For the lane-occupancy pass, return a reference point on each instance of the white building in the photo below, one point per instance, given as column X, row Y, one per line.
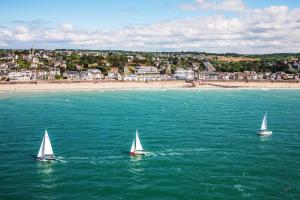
column 140, row 70
column 131, row 77
column 72, row 75
column 211, row 76
column 184, row 74
column 114, row 74
column 91, row 74
column 21, row 76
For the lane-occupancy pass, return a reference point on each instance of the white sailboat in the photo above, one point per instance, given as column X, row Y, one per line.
column 136, row 147
column 46, row 152
column 264, row 127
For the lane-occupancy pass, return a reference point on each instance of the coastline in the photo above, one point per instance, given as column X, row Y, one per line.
column 131, row 85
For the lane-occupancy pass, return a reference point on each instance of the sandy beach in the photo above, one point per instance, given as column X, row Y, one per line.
column 121, row 85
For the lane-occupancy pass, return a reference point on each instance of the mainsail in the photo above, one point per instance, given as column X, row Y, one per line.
column 138, row 146
column 264, row 123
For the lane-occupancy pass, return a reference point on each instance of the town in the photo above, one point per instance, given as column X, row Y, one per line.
column 88, row 65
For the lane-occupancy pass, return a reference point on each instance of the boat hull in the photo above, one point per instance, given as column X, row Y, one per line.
column 46, row 159
column 138, row 153
column 264, row 133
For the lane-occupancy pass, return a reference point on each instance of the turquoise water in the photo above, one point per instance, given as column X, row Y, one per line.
column 202, row 145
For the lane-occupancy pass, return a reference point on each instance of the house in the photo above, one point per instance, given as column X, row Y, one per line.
column 131, row 77
column 184, row 74
column 204, row 75
column 261, row 76
column 33, row 65
column 130, row 58
column 3, row 67
column 96, row 74
column 56, row 63
column 63, row 64
column 273, row 76
column 141, row 70
column 78, row 67
column 145, row 73
column 20, row 76
column 45, row 55
column 288, row 76
column 15, row 76
column 85, row 75
column 54, row 72
column 35, row 60
column 41, row 75
column 91, row 74
column 252, row 76
column 267, row 75
column 279, row 75
column 209, row 67
column 240, row 76
column 225, row 76
column 72, row 75
column 114, row 74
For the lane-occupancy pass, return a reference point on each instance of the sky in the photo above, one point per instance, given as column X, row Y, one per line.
column 220, row 26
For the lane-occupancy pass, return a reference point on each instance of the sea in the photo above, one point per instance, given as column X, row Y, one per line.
column 200, row 144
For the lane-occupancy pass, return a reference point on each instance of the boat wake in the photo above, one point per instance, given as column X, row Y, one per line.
column 61, row 159
column 244, row 190
column 79, row 158
column 156, row 154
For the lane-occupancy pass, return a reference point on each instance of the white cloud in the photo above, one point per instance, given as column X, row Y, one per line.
column 66, row 27
column 267, row 30
column 219, row 5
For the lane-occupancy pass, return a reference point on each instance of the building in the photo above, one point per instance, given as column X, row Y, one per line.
column 210, row 76
column 91, row 74
column 184, row 74
column 141, row 70
column 114, row 74
column 72, row 75
column 3, row 67
column 53, row 72
column 131, row 77
column 209, row 67
column 20, row 76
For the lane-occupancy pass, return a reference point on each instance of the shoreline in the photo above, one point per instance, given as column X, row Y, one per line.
column 151, row 85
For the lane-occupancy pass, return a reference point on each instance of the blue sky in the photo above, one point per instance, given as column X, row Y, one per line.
column 108, row 13
column 155, row 25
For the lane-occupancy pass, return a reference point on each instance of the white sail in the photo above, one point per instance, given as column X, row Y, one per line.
column 138, row 145
column 132, row 147
column 45, row 148
column 48, row 148
column 264, row 123
column 41, row 151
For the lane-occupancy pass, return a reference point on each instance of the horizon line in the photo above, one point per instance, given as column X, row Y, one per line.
column 143, row 51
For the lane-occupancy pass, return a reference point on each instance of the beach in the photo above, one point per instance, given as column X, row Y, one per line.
column 132, row 85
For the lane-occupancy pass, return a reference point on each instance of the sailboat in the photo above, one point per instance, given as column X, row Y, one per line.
column 264, row 127
column 136, row 147
column 45, row 152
